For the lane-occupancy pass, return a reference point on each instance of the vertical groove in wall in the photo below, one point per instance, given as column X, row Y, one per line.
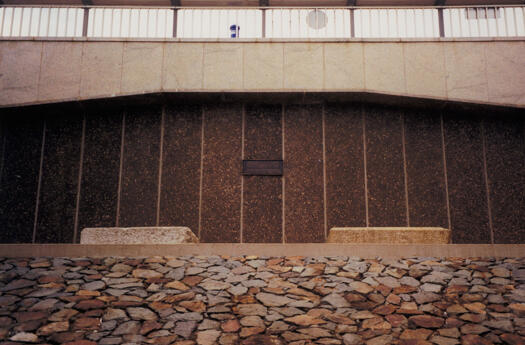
column 121, row 163
column 283, row 178
column 485, row 175
column 39, row 180
column 161, row 153
column 79, row 182
column 403, row 140
column 443, row 150
column 364, row 164
column 3, row 134
column 324, row 173
column 201, row 172
column 242, row 176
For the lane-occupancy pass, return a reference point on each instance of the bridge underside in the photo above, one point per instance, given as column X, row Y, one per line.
column 176, row 161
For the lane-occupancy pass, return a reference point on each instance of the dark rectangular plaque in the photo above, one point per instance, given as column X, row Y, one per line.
column 262, row 167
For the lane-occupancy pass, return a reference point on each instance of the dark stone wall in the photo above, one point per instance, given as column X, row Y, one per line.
column 466, row 179
column 100, row 169
column 345, row 164
column 385, row 167
column 22, row 143
column 181, row 167
column 221, row 180
column 262, row 195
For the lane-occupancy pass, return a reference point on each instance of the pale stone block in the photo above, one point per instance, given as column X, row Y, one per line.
column 19, row 71
column 263, row 66
column 223, row 66
column 60, row 75
column 101, row 69
column 303, row 66
column 142, row 67
column 344, row 66
column 384, row 68
column 183, row 66
column 391, row 235
column 466, row 71
column 425, row 69
column 139, row 235
column 506, row 72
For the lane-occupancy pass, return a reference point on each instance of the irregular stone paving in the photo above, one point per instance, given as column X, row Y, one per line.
column 262, row 300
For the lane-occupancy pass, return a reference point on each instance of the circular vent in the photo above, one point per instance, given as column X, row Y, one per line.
column 317, row 19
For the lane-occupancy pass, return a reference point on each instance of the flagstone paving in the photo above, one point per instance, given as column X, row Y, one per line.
column 262, row 300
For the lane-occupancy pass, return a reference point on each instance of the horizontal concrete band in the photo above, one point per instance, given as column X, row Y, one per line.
column 481, row 72
column 233, row 249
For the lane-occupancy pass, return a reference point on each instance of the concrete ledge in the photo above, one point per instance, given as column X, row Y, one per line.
column 392, row 235
column 233, row 249
column 138, row 235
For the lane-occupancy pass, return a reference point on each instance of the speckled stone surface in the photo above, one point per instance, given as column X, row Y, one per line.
column 430, row 235
column 221, row 190
column 56, row 212
column 345, row 180
column 262, row 218
column 466, row 184
column 179, row 199
column 505, row 146
column 140, row 167
column 19, row 176
column 100, row 169
column 140, row 235
column 303, row 158
column 427, row 202
column 385, row 172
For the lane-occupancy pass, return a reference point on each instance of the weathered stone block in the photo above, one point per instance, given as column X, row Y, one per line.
column 139, row 235
column 394, row 235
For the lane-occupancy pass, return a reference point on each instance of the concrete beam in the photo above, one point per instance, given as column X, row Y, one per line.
column 232, row 249
column 479, row 72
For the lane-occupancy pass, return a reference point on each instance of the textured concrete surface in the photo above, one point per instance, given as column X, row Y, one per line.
column 142, row 235
column 483, row 71
column 389, row 235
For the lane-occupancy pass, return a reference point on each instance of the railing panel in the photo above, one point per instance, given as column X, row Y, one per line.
column 269, row 22
column 484, row 22
column 40, row 22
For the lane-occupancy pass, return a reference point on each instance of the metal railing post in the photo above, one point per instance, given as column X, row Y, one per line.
column 262, row 5
column 441, row 21
column 175, row 22
column 352, row 17
column 85, row 22
column 175, row 4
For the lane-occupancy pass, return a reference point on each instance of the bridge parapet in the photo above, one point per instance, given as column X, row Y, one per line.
column 483, row 71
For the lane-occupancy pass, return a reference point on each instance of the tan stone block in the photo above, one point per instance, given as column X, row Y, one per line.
column 392, row 235
column 223, row 66
column 183, row 68
column 263, row 66
column 138, row 235
column 60, row 72
column 506, row 72
column 142, row 67
column 344, row 66
column 465, row 68
column 19, row 71
column 303, row 66
column 425, row 69
column 384, row 68
column 101, row 69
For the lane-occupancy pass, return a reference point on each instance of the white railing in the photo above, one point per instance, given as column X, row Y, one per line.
column 266, row 22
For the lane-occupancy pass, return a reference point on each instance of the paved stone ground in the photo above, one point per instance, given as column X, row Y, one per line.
column 259, row 300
